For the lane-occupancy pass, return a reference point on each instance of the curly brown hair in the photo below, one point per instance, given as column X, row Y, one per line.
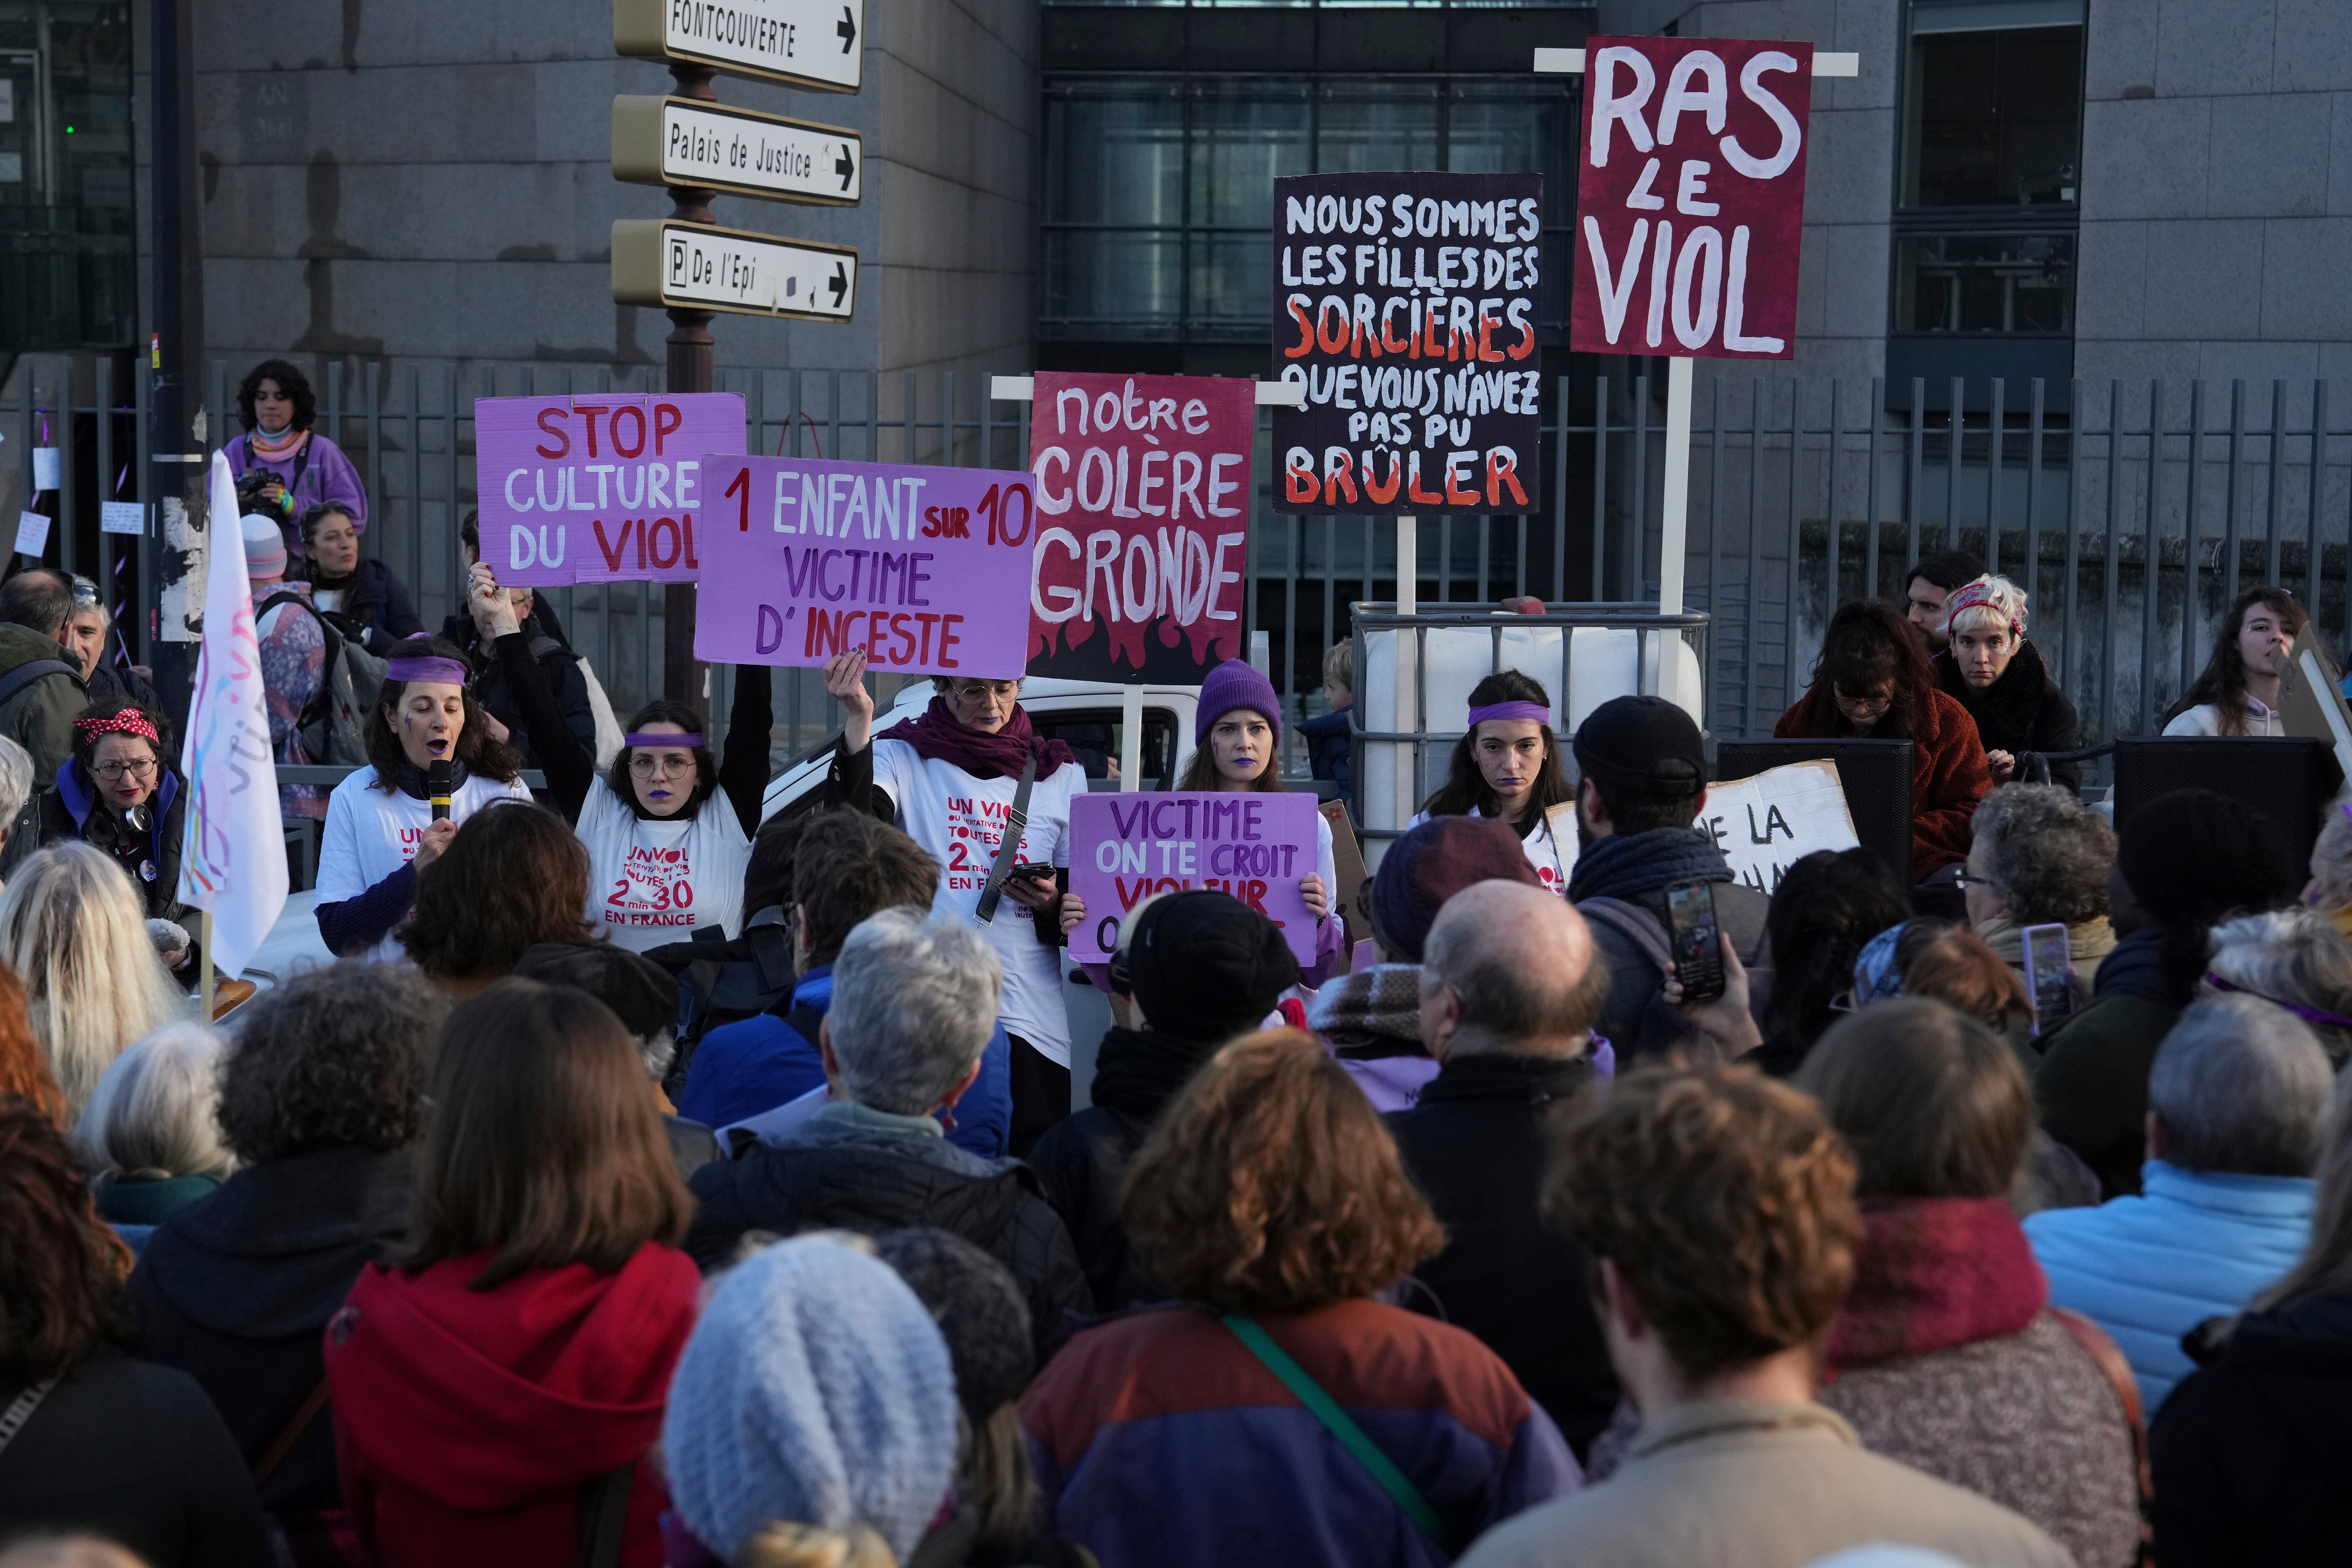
column 515, row 876
column 1725, row 1201
column 61, row 1270
column 482, row 752
column 331, row 1059
column 1270, row 1185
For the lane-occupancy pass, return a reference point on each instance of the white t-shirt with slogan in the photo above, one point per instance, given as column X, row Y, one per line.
column 960, row 820
column 652, row 880
column 371, row 832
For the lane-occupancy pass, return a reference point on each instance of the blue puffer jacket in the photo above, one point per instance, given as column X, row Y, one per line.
column 2149, row 1268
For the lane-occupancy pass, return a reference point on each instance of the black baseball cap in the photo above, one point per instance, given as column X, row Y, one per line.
column 1643, row 744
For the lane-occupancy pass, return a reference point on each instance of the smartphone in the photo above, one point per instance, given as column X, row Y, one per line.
column 1030, row 871
column 1696, row 939
column 2049, row 976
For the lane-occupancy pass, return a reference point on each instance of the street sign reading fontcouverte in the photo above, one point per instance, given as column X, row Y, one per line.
column 680, row 142
column 701, row 267
column 806, row 43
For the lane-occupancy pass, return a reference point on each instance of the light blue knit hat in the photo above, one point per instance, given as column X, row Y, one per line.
column 816, row 1390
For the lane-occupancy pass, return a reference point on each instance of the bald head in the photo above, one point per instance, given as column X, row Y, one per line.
column 1509, row 970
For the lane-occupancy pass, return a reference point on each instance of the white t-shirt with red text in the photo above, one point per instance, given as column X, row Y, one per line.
column 654, row 881
column 960, row 820
column 1552, row 860
column 371, row 832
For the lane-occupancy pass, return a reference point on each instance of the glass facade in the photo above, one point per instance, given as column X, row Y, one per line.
column 69, row 275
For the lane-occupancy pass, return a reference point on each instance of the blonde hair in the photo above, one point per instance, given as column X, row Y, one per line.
column 2006, row 612
column 812, row 1546
column 72, row 928
column 152, row 1113
column 1340, row 665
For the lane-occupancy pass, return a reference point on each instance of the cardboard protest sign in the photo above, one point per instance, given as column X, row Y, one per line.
column 608, row 489
column 1690, row 197
column 1405, row 305
column 1767, row 823
column 1348, row 866
column 926, row 569
column 1143, row 491
column 1126, row 848
column 2312, row 703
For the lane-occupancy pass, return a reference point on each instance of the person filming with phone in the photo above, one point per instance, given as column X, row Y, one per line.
column 1642, row 771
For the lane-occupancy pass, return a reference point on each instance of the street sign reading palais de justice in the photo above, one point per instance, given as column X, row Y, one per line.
column 681, row 142
column 802, row 43
column 701, row 267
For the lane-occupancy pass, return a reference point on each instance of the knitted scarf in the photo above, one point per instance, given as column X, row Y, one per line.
column 1627, row 865
column 1933, row 1273
column 278, row 448
column 937, row 737
column 1383, row 1001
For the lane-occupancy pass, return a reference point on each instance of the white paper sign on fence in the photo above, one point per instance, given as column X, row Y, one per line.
column 122, row 517
column 1767, row 823
column 46, row 469
column 32, row 533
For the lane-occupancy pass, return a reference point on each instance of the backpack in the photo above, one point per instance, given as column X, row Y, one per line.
column 333, row 726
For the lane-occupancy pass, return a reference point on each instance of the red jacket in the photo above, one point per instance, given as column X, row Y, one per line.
column 466, row 1422
column 1948, row 771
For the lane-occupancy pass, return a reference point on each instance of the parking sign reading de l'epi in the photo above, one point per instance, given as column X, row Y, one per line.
column 704, row 267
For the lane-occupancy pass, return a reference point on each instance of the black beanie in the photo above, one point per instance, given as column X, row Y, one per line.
column 1205, row 966
column 980, row 1310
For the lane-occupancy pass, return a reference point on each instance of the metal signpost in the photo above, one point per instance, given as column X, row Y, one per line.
column 739, row 151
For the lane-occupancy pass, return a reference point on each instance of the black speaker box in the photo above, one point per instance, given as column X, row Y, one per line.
column 2288, row 780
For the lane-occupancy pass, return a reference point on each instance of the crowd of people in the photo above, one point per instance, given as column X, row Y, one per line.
column 652, row 1181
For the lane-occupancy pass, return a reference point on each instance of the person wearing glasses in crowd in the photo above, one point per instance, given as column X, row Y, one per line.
column 119, row 793
column 84, row 636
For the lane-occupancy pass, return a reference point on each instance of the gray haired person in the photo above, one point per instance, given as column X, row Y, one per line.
column 914, row 1002
column 15, row 789
column 2237, row 1102
column 149, row 1135
column 2294, row 958
column 2041, row 857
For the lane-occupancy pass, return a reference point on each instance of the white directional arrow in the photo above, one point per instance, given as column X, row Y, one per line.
column 808, row 43
column 702, row 266
column 686, row 142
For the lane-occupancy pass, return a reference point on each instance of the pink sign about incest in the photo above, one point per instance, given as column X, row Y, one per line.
column 1690, row 197
column 1126, row 848
column 926, row 569
column 602, row 488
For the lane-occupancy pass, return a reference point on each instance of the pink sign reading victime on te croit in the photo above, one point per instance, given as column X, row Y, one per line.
column 1126, row 848
column 926, row 569
column 609, row 487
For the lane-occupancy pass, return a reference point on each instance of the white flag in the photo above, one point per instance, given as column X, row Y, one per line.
column 234, row 862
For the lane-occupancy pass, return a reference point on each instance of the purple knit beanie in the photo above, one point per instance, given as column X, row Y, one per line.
column 1235, row 684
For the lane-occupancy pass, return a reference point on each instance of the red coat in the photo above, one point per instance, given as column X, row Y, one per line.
column 1948, row 771
column 466, row 1422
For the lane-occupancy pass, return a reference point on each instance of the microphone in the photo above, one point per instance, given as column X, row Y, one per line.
column 437, row 779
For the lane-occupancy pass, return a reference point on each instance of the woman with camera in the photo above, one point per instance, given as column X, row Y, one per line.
column 119, row 793
column 281, row 466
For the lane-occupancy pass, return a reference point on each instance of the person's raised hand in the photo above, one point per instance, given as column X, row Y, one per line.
column 494, row 616
column 1726, row 1020
column 844, row 678
column 436, row 838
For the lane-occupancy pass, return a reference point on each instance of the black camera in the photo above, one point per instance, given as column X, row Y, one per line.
column 249, row 487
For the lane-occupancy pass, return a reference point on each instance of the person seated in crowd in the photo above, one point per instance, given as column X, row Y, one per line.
column 2041, row 857
column 1371, row 1019
column 41, row 690
column 1510, row 985
column 293, row 646
column 901, row 1043
column 322, row 1101
column 1237, row 735
column 499, row 1383
column 1271, row 1205
column 1330, row 741
column 513, row 877
column 100, row 1443
column 645, row 998
column 2329, row 889
column 1505, row 767
column 1719, row 1208
column 1824, row 912
column 296, row 467
column 1872, row 680
column 2236, row 1102
column 1990, row 669
column 380, row 829
column 1946, row 1356
column 149, row 1138
column 84, row 638
column 1201, row 967
column 71, row 930
column 119, row 793
column 495, row 612
column 1927, row 593
column 845, row 866
column 812, row 1420
column 2239, row 691
column 357, row 593
column 2248, row 1453
column 1926, row 957
column 2294, row 959
column 2184, row 862
column 1641, row 783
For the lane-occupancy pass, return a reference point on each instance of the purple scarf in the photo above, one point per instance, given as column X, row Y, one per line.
column 937, row 737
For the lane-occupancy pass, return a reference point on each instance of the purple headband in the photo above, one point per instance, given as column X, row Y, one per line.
column 634, row 738
column 1532, row 713
column 439, row 671
column 2308, row 1015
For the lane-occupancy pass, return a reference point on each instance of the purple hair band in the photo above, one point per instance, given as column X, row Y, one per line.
column 1531, row 712
column 635, row 738
column 437, row 671
column 2308, row 1015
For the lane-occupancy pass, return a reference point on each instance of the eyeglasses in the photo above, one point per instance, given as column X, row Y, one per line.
column 85, row 592
column 973, row 690
column 1965, row 879
column 112, row 772
column 645, row 765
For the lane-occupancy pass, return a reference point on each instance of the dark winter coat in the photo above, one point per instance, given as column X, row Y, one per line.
column 376, row 610
column 37, row 716
column 2023, row 710
column 873, row 1179
column 1949, row 773
column 1331, row 747
column 2253, row 1451
column 1637, row 869
column 2092, row 1087
column 237, row 1290
column 1476, row 1145
column 564, row 683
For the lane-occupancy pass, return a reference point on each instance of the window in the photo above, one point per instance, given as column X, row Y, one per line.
column 68, row 275
column 1984, row 283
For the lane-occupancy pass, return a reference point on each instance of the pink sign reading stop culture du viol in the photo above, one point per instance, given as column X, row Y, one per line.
column 927, row 569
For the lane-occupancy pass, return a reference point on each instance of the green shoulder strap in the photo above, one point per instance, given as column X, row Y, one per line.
column 1352, row 1438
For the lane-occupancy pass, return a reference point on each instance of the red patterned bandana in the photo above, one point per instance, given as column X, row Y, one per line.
column 1974, row 597
column 125, row 721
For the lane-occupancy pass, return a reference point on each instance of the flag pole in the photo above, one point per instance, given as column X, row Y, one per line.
column 205, row 961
